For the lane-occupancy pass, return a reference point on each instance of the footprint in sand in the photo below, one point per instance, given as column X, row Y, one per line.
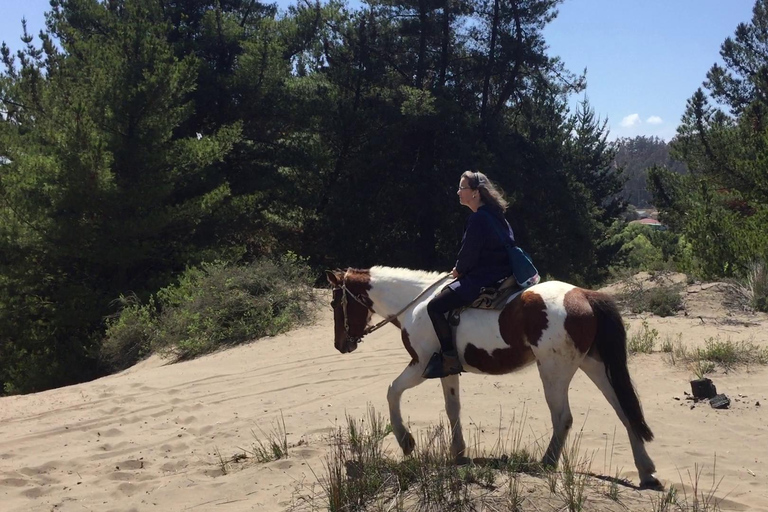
column 174, row 447
column 200, row 431
column 131, row 464
column 307, row 453
column 129, row 489
column 121, row 476
column 39, row 470
column 173, row 467
column 283, row 464
column 324, row 430
column 187, row 420
column 14, row 482
column 35, row 492
column 112, row 432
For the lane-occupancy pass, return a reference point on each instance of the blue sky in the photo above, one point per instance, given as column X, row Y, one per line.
column 644, row 58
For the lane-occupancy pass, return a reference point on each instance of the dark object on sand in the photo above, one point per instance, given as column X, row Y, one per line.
column 703, row 388
column 720, row 402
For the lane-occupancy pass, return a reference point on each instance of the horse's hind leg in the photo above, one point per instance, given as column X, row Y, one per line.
column 453, row 410
column 410, row 377
column 645, row 467
column 556, row 374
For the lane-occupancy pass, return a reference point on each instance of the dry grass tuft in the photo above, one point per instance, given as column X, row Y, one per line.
column 358, row 475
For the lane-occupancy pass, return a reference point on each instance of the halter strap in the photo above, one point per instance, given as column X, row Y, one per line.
column 369, row 330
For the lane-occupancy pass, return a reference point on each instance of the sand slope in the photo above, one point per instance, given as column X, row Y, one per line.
column 147, row 439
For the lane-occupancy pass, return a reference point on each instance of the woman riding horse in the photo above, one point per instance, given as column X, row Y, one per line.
column 483, row 261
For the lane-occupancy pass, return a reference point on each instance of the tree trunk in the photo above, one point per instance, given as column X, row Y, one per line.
column 489, row 68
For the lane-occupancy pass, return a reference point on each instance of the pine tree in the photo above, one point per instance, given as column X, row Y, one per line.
column 722, row 206
column 99, row 196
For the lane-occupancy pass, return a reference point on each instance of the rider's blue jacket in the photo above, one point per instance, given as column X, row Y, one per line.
column 482, row 260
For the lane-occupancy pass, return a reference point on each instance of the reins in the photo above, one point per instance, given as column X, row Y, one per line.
column 369, row 330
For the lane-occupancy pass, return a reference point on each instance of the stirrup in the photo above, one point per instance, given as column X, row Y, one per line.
column 434, row 367
column 437, row 368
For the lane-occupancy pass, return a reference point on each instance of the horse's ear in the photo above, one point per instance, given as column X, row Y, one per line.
column 334, row 277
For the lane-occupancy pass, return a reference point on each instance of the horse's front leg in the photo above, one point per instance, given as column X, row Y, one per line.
column 410, row 377
column 453, row 410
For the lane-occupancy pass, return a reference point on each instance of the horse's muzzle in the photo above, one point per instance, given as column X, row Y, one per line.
column 349, row 345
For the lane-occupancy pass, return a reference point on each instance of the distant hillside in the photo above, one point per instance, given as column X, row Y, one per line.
column 636, row 155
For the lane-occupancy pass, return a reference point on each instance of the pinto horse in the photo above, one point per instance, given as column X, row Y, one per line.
column 561, row 327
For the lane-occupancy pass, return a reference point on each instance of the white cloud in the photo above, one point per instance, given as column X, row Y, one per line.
column 631, row 120
column 654, row 120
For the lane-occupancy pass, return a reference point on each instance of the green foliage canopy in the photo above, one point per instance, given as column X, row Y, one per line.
column 143, row 138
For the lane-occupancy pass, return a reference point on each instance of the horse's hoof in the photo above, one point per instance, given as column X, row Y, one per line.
column 407, row 443
column 548, row 464
column 652, row 483
column 462, row 460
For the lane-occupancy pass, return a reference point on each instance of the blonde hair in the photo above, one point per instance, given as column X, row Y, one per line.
column 490, row 193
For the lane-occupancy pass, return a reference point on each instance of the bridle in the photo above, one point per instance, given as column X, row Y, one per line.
column 368, row 330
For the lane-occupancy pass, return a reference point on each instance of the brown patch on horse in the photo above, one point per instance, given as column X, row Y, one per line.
column 409, row 347
column 358, row 282
column 521, row 323
column 534, row 316
column 580, row 321
column 501, row 361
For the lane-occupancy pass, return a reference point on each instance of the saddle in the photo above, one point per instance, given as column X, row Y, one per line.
column 491, row 297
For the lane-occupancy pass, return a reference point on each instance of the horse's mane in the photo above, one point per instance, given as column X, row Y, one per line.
column 406, row 274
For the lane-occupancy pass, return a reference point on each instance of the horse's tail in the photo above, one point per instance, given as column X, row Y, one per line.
column 611, row 343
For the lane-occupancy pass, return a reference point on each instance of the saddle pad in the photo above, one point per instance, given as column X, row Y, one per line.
column 496, row 298
column 490, row 298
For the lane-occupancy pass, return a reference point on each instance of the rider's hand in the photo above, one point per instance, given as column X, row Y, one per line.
column 454, row 273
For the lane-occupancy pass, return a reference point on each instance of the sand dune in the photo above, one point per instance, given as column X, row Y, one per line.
column 148, row 438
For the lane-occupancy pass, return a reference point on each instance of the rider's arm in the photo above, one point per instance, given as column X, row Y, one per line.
column 474, row 238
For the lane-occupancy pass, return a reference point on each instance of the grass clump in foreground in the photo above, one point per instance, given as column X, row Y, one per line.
column 274, row 446
column 211, row 306
column 267, row 447
column 644, row 340
column 359, row 475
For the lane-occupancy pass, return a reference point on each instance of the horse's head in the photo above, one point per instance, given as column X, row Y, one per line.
column 351, row 307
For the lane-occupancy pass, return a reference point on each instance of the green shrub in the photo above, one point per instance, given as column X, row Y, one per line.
column 664, row 300
column 642, row 255
column 644, row 340
column 129, row 333
column 218, row 304
column 211, row 306
column 660, row 300
column 729, row 354
column 643, row 248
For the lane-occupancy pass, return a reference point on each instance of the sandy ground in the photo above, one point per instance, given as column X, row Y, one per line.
column 148, row 438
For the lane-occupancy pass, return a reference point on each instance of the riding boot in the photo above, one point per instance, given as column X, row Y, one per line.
column 443, row 364
column 451, row 363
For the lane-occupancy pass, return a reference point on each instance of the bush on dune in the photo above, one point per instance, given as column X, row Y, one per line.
column 212, row 306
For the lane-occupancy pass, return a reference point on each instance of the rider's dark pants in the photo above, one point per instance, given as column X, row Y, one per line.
column 445, row 301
